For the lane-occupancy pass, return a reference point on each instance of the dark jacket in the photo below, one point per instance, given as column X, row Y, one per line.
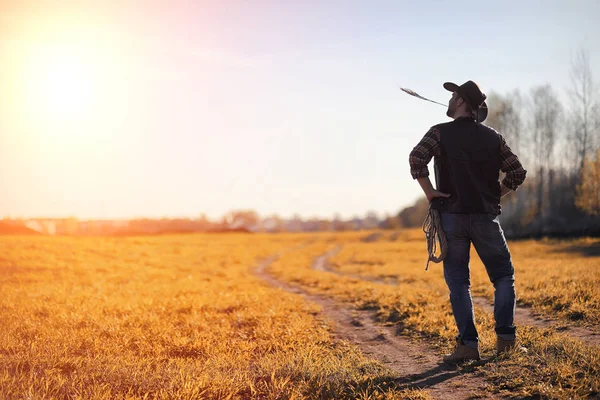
column 468, row 167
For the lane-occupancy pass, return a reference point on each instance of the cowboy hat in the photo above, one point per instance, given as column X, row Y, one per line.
column 474, row 97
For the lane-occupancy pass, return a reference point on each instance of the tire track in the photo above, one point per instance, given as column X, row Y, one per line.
column 523, row 316
column 416, row 364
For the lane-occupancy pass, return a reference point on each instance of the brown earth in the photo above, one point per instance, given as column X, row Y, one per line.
column 415, row 363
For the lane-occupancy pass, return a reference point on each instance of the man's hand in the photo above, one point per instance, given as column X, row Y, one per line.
column 430, row 192
column 435, row 193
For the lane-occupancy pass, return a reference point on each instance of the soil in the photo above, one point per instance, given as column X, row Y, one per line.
column 416, row 364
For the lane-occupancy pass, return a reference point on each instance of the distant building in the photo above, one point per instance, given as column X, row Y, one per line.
column 45, row 226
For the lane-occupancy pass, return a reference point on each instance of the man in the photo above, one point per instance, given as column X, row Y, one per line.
column 468, row 158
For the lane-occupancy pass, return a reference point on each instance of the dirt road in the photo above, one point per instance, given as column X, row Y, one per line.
column 416, row 364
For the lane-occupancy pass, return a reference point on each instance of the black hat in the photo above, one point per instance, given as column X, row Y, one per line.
column 474, row 97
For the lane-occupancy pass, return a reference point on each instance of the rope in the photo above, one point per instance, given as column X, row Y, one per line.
column 432, row 226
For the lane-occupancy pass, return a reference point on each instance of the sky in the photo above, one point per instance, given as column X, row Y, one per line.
column 125, row 109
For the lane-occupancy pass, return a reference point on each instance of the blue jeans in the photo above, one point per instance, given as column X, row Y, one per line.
column 484, row 231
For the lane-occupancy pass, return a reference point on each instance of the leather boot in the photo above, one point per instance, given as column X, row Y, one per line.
column 462, row 353
column 505, row 345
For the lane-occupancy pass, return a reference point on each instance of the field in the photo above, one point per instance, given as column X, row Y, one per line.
column 284, row 316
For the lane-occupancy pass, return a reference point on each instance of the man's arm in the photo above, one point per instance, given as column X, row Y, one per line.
column 504, row 190
column 419, row 158
column 428, row 189
column 511, row 166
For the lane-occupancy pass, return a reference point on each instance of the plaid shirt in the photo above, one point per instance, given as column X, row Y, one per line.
column 429, row 147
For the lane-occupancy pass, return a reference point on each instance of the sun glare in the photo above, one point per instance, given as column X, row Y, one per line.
column 68, row 85
column 62, row 82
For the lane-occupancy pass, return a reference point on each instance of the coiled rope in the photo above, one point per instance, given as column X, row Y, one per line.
column 432, row 226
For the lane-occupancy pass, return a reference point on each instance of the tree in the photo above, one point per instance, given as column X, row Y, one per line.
column 505, row 117
column 546, row 114
column 588, row 189
column 584, row 107
column 414, row 215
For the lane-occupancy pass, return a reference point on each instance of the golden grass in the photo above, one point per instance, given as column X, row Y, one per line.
column 166, row 317
column 558, row 278
column 184, row 317
column 555, row 365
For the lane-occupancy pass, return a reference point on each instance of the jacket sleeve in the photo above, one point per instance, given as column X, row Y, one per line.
column 511, row 166
column 423, row 152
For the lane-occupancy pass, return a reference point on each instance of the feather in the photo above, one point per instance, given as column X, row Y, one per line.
column 417, row 95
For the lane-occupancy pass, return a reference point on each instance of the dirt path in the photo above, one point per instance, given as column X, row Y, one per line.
column 523, row 316
column 416, row 364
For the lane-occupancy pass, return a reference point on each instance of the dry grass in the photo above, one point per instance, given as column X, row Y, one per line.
column 183, row 317
column 560, row 279
column 555, row 365
column 556, row 278
column 166, row 317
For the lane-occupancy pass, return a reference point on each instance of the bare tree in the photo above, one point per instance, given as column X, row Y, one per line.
column 495, row 103
column 584, row 107
column 506, row 116
column 546, row 115
column 561, row 193
column 513, row 120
